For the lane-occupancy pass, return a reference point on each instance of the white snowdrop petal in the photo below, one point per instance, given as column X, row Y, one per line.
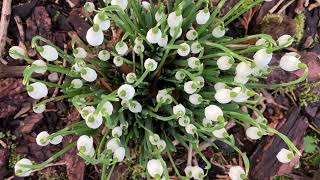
column 49, row 53
column 285, row 155
column 241, row 79
column 285, row 40
column 220, row 133
column 154, row 139
column 197, row 173
column 122, row 48
column 113, row 144
column 150, row 64
column 119, row 154
column 261, row 42
column 85, row 145
column 154, row 167
column 188, row 171
column 179, row 110
column 102, row 20
column 41, row 66
column 172, row 32
column 242, row 95
column 21, row 171
column 126, row 92
column 184, row 121
column 107, row 108
column 223, row 96
column 76, row 83
column 289, row 63
column 37, row 90
column 243, row 69
column 196, row 48
column 135, row 107
column 86, row 111
column 118, row 61
column 262, row 58
column 161, row 145
column 42, row 138
column 206, row 122
column 116, row 132
column 193, row 62
column 190, row 128
column 219, row 85
column 159, row 15
column 192, row 35
column 131, row 77
column 104, row 55
column 89, row 6
column 180, row 75
column 94, row 123
column 121, row 3
column 17, row 52
column 203, row 16
column 224, row 63
column 163, row 41
column 218, row 32
column 213, row 112
column 236, row 173
column 138, row 48
column 80, row 53
column 252, row 133
column 174, row 20
column 89, row 74
column 190, row 87
column 39, row 108
column 56, row 140
column 94, row 38
column 195, row 99
column 154, row 35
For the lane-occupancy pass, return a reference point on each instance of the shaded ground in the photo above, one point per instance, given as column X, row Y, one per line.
column 293, row 110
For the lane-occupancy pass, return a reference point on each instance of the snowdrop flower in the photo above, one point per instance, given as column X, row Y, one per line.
column 116, row 132
column 135, row 107
column 39, row 108
column 17, row 52
column 184, row 121
column 188, row 171
column 138, row 40
column 85, row 145
column 194, row 62
column 107, row 109
column 195, row 99
column 224, row 63
column 223, row 96
column 159, row 15
column 163, row 97
column 262, row 58
column 184, row 50
column 42, row 138
column 163, row 41
column 121, row 48
column 179, row 110
column 236, row 173
column 138, row 48
column 203, row 16
column 124, row 125
column 56, row 140
column 150, row 64
column 180, row 75
column 219, row 85
column 196, row 47
column 161, row 145
column 49, row 53
column 94, row 122
column 37, row 90
column 154, row 35
column 290, row 63
column 220, row 133
column 154, row 139
column 88, row 74
column 241, row 79
column 206, row 122
column 119, row 154
column 118, row 61
column 121, row 3
column 172, row 32
column 213, row 113
column 41, row 66
column 192, row 35
column 102, row 20
column 197, row 173
column 261, row 42
column 80, row 53
column 87, row 111
column 285, row 40
column 89, row 7
column 191, row 129
column 76, row 83
column 126, row 92
column 154, row 168
column 95, row 35
column 285, row 155
column 146, row 5
column 113, row 144
column 20, row 170
column 253, row 133
column 104, row 55
column 243, row 69
column 239, row 95
column 218, row 32
column 190, row 87
column 199, row 81
column 174, row 19
column 131, row 77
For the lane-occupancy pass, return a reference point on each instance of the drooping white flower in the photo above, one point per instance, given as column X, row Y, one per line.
column 224, row 63
column 89, row 7
column 121, row 3
column 223, row 96
column 289, row 63
column 190, row 87
column 107, row 109
column 191, row 129
column 184, row 50
column 163, row 41
column 138, row 40
column 206, row 122
column 154, row 35
column 113, row 144
column 102, row 20
column 195, row 99
column 94, row 121
column 20, row 170
column 85, row 145
column 80, row 53
column 49, row 53
column 236, row 173
column 285, row 40
column 116, row 132
column 154, row 167
column 179, row 110
column 261, row 42
column 180, row 75
column 88, row 74
column 119, row 154
column 154, row 139
column 17, row 52
column 42, row 138
column 199, row 81
column 196, row 47
column 37, row 90
column 104, row 55
column 163, row 97
column 126, row 92
column 56, row 140
column 161, row 145
column 174, row 19
column 285, row 155
column 95, row 35
column 218, row 32
column 240, row 95
column 213, row 112
column 262, row 58
column 131, row 77
column 159, row 15
column 124, row 125
column 188, row 171
column 241, row 79
column 135, row 107
column 87, row 111
column 197, row 173
column 192, row 35
column 243, row 69
column 193, row 62
column 118, row 61
column 203, row 16
column 39, row 108
column 172, row 32
column 138, row 48
column 41, row 66
column 150, row 64
column 219, row 85
column 122, row 48
column 253, row 133
column 184, row 121
column 220, row 133
column 76, row 83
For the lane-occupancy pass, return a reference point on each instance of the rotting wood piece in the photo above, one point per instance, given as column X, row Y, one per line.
column 5, row 18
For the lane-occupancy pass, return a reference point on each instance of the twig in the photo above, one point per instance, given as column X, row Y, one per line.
column 61, row 78
column 189, row 155
column 5, row 18
column 3, row 144
column 21, row 31
column 285, row 6
column 275, row 7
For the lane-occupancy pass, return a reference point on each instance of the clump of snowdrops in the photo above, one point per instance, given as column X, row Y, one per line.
column 185, row 81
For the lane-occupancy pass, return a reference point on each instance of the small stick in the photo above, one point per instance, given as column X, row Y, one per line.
column 21, row 32
column 5, row 18
column 275, row 7
column 285, row 6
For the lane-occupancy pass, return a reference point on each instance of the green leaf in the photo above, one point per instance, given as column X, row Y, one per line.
column 309, row 144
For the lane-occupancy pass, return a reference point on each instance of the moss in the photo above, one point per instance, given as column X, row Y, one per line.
column 277, row 25
column 310, row 93
column 300, row 24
